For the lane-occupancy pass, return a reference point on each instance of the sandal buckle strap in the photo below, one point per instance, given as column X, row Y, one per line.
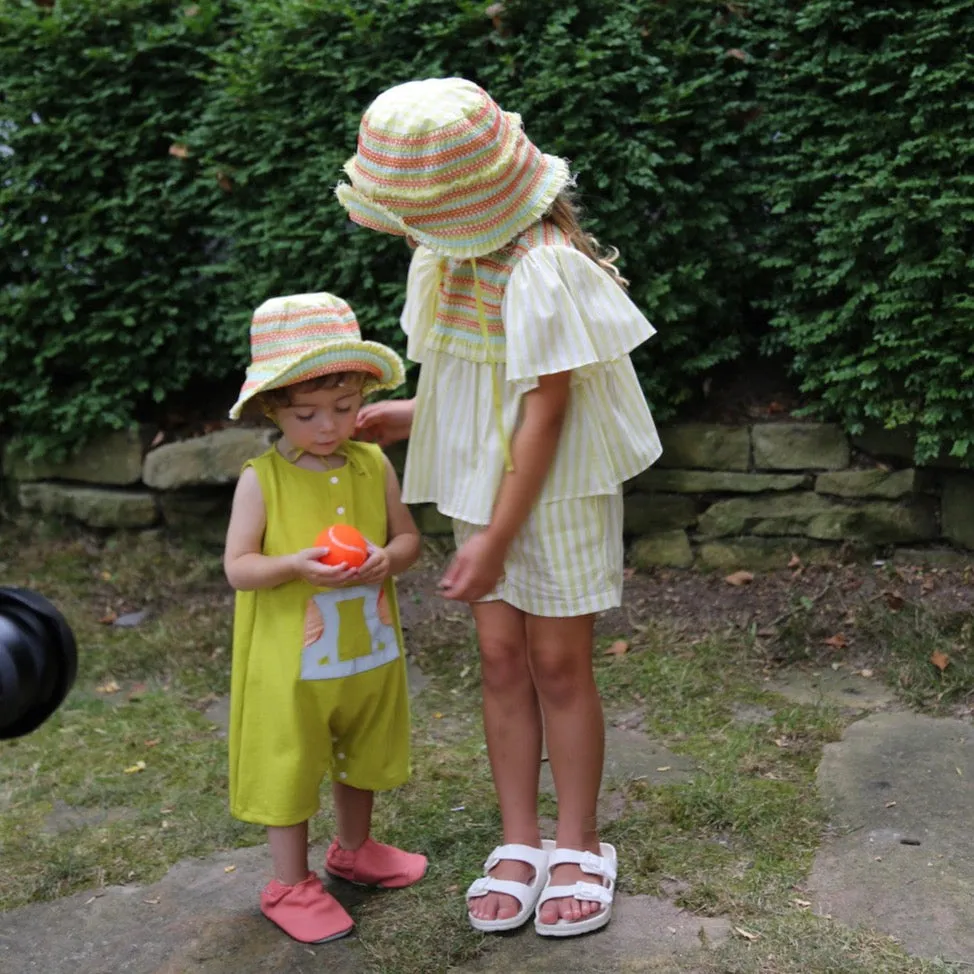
column 536, row 858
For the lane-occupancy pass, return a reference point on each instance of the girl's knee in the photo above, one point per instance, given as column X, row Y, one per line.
column 560, row 677
column 503, row 662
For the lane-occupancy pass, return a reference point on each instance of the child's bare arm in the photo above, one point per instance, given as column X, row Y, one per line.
column 533, row 451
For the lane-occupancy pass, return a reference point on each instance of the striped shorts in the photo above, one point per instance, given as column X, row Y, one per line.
column 567, row 559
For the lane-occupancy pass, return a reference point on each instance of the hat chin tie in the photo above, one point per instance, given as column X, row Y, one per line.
column 496, row 398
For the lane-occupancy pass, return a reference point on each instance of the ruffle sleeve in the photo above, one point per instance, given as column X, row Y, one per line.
column 420, row 306
column 562, row 312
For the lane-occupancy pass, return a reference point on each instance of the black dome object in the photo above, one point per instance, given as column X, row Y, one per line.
column 38, row 661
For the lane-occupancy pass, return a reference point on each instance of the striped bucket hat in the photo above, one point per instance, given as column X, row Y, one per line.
column 305, row 336
column 439, row 161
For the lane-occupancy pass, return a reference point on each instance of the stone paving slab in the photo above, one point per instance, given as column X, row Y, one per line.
column 198, row 919
column 838, row 688
column 630, row 755
column 202, row 919
column 901, row 791
column 643, row 931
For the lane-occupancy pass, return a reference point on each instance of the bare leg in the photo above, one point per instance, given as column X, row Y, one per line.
column 289, row 851
column 560, row 654
column 353, row 814
column 512, row 726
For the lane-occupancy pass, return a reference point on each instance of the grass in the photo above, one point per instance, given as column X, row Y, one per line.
column 129, row 776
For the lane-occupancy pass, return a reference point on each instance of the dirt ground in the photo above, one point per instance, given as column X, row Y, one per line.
column 827, row 601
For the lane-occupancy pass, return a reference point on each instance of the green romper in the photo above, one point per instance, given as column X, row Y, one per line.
column 318, row 684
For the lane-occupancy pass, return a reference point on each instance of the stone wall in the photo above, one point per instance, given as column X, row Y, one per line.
column 721, row 497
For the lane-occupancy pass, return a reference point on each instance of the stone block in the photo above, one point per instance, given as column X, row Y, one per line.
column 706, row 447
column 716, row 482
column 895, row 444
column 957, row 509
column 870, row 483
column 430, row 521
column 900, row 444
column 202, row 515
column 934, row 558
column 814, row 516
column 799, row 446
column 781, row 514
column 667, row 549
column 397, row 457
column 878, row 522
column 652, row 513
column 98, row 507
column 215, row 458
column 762, row 554
column 113, row 460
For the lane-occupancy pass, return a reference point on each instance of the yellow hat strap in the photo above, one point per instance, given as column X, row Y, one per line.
column 494, row 374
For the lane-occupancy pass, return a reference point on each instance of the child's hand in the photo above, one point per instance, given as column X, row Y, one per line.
column 385, row 422
column 475, row 569
column 376, row 568
column 307, row 566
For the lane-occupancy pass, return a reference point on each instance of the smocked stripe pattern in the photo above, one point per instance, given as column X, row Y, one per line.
column 456, row 329
column 440, row 161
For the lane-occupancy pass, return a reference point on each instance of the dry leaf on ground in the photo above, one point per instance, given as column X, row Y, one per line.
column 894, row 600
column 619, row 648
column 740, row 578
column 940, row 660
column 838, row 641
column 746, row 934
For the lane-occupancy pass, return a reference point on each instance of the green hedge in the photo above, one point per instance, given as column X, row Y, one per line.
column 663, row 182
column 104, row 310
column 870, row 141
column 170, row 166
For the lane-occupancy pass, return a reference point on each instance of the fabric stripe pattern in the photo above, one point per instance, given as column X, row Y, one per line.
column 438, row 160
column 305, row 336
column 560, row 312
column 567, row 560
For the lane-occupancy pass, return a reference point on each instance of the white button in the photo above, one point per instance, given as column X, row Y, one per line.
column 334, row 480
column 341, row 774
column 340, row 510
column 341, row 756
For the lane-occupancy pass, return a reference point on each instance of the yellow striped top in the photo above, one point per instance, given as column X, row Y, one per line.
column 559, row 312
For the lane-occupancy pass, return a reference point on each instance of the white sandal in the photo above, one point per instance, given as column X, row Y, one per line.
column 604, row 867
column 525, row 893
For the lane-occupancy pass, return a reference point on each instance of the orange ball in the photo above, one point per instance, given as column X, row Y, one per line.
column 344, row 544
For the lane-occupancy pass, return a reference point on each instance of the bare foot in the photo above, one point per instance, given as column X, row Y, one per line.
column 500, row 906
column 567, row 907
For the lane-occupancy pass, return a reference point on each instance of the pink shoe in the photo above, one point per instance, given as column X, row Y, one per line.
column 305, row 911
column 375, row 864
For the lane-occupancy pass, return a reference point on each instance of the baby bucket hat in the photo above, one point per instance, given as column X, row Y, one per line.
column 304, row 336
column 439, row 161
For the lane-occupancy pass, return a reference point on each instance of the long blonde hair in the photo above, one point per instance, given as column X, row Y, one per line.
column 565, row 214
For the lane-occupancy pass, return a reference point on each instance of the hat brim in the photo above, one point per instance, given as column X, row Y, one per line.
column 472, row 239
column 383, row 368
